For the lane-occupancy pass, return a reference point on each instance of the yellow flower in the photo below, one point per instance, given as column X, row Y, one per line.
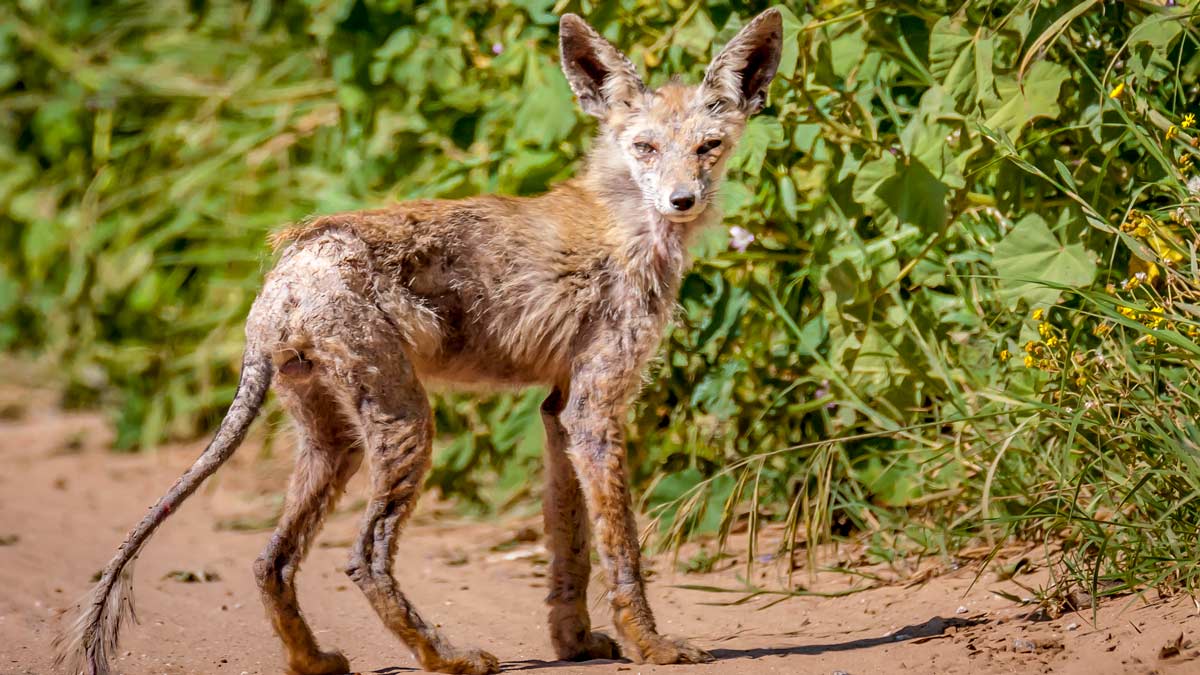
column 1138, row 224
column 1131, row 223
column 1102, row 329
column 1028, row 361
column 1030, row 347
column 1051, row 341
column 1044, row 329
column 1143, row 227
column 1171, row 132
column 1154, row 319
column 1004, row 355
column 1193, row 332
column 1188, row 121
column 1127, row 312
column 1038, row 314
column 1168, row 246
column 1185, row 161
column 1110, row 289
column 1117, row 90
column 1081, row 380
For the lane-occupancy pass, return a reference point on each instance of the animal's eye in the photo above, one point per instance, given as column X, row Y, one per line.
column 708, row 146
column 644, row 148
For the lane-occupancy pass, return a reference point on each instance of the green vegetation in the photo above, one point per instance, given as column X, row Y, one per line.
column 970, row 312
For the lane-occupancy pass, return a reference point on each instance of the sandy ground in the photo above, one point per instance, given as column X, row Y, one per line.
column 65, row 504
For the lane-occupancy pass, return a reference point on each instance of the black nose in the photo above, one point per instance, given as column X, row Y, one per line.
column 683, row 200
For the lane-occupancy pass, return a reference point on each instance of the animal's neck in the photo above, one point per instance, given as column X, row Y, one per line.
column 650, row 250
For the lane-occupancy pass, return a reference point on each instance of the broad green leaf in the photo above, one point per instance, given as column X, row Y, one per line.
column 1157, row 30
column 949, row 42
column 952, row 58
column 870, row 177
column 928, row 138
column 547, row 115
column 985, row 72
column 899, row 193
column 697, row 37
column 848, row 51
column 1020, row 102
column 736, row 196
column 1029, row 254
column 792, row 27
column 915, row 196
column 762, row 132
column 804, row 135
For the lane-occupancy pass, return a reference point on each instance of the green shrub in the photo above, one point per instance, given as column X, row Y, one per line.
column 927, row 174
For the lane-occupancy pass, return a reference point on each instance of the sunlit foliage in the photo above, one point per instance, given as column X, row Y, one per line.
column 967, row 311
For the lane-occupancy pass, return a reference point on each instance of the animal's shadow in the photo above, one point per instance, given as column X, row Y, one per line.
column 929, row 629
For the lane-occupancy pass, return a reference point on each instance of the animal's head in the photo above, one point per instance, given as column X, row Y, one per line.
column 674, row 140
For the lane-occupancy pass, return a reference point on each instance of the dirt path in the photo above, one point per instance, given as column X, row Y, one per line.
column 65, row 504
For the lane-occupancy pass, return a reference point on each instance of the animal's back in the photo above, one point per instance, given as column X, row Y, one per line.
column 510, row 280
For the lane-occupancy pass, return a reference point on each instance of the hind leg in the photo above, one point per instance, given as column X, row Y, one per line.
column 328, row 456
column 565, row 515
column 368, row 360
column 332, row 310
column 398, row 430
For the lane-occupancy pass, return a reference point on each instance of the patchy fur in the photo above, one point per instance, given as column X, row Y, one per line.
column 570, row 289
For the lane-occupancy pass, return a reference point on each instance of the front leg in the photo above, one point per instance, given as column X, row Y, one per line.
column 565, row 515
column 593, row 422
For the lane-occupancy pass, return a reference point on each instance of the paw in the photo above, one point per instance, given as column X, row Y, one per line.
column 596, row 646
column 468, row 662
column 324, row 663
column 667, row 650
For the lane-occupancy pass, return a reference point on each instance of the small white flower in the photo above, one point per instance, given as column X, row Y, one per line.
column 1193, row 186
column 739, row 238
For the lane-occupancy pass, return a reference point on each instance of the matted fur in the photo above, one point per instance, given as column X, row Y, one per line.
column 570, row 289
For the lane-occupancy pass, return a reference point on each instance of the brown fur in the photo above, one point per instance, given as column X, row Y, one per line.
column 571, row 289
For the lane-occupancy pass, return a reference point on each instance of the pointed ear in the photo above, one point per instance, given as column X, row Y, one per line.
column 599, row 74
column 741, row 74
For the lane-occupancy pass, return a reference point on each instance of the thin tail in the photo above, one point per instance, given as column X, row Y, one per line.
column 90, row 642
